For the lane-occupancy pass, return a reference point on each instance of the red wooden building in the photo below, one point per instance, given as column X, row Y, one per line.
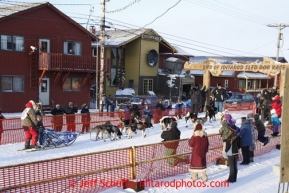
column 45, row 56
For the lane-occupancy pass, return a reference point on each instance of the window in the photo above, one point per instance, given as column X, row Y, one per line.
column 249, row 85
column 13, row 43
column 72, row 84
column 12, row 84
column 241, row 84
column 147, row 85
column 72, row 48
column 226, row 83
column 94, row 50
column 116, row 66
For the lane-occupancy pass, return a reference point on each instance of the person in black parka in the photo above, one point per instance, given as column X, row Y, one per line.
column 171, row 148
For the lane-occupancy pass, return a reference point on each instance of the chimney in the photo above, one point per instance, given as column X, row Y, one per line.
column 92, row 30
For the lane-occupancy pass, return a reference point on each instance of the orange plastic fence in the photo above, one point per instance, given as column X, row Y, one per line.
column 13, row 132
column 95, row 172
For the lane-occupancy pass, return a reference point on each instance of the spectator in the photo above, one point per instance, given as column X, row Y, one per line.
column 219, row 95
column 252, row 147
column 40, row 129
column 275, row 122
column 29, row 123
column 257, row 101
column 148, row 114
column 277, row 105
column 203, row 97
column 184, row 96
column 195, row 100
column 70, row 117
column 39, row 110
column 233, row 144
column 200, row 144
column 261, row 130
column 1, row 125
column 167, row 106
column 171, row 148
column 85, row 118
column 246, row 138
column 224, row 132
column 160, row 105
column 57, row 119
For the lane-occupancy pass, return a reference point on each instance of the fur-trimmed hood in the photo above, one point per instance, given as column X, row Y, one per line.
column 200, row 133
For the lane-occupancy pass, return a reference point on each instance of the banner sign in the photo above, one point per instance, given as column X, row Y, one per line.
column 268, row 66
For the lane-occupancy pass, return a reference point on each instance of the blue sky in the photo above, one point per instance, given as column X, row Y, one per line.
column 214, row 27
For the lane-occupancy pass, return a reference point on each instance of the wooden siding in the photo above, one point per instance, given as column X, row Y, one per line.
column 145, row 68
column 42, row 23
column 132, row 62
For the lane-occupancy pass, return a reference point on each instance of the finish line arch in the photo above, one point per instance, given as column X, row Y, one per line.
column 270, row 67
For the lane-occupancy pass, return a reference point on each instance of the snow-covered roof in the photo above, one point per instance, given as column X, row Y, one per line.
column 126, row 91
column 180, row 52
column 201, row 73
column 173, row 59
column 7, row 10
column 252, row 75
column 116, row 38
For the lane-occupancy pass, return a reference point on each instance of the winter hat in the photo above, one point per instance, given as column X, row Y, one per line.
column 250, row 116
column 273, row 111
column 29, row 105
column 198, row 127
column 256, row 116
column 84, row 105
column 228, row 117
column 33, row 104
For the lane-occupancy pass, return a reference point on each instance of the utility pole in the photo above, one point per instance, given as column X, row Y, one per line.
column 96, row 75
column 101, row 78
column 279, row 27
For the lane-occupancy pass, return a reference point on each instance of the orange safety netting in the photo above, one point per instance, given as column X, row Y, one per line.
column 95, row 172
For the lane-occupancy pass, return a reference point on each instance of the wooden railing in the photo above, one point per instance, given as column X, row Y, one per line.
column 62, row 62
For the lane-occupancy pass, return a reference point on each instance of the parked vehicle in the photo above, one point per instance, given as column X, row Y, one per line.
column 140, row 100
column 240, row 101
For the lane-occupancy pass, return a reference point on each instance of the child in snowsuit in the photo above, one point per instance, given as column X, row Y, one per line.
column 275, row 122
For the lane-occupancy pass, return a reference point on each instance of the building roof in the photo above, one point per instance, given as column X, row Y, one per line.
column 253, row 75
column 180, row 52
column 16, row 10
column 7, row 10
column 117, row 38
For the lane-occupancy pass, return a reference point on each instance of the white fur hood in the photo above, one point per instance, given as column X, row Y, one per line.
column 200, row 133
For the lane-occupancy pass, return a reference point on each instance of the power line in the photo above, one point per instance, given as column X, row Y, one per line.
column 243, row 10
column 118, row 10
column 226, row 11
column 163, row 13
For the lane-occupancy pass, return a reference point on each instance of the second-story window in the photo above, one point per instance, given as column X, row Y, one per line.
column 72, row 48
column 13, row 43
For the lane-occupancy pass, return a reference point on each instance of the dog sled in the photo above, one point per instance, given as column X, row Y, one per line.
column 48, row 139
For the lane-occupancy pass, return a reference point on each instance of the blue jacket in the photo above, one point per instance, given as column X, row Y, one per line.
column 147, row 112
column 275, row 120
column 246, row 133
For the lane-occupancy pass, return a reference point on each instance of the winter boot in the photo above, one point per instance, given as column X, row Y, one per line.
column 27, row 145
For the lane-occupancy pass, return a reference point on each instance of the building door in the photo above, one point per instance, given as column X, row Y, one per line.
column 44, row 91
column 44, row 53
